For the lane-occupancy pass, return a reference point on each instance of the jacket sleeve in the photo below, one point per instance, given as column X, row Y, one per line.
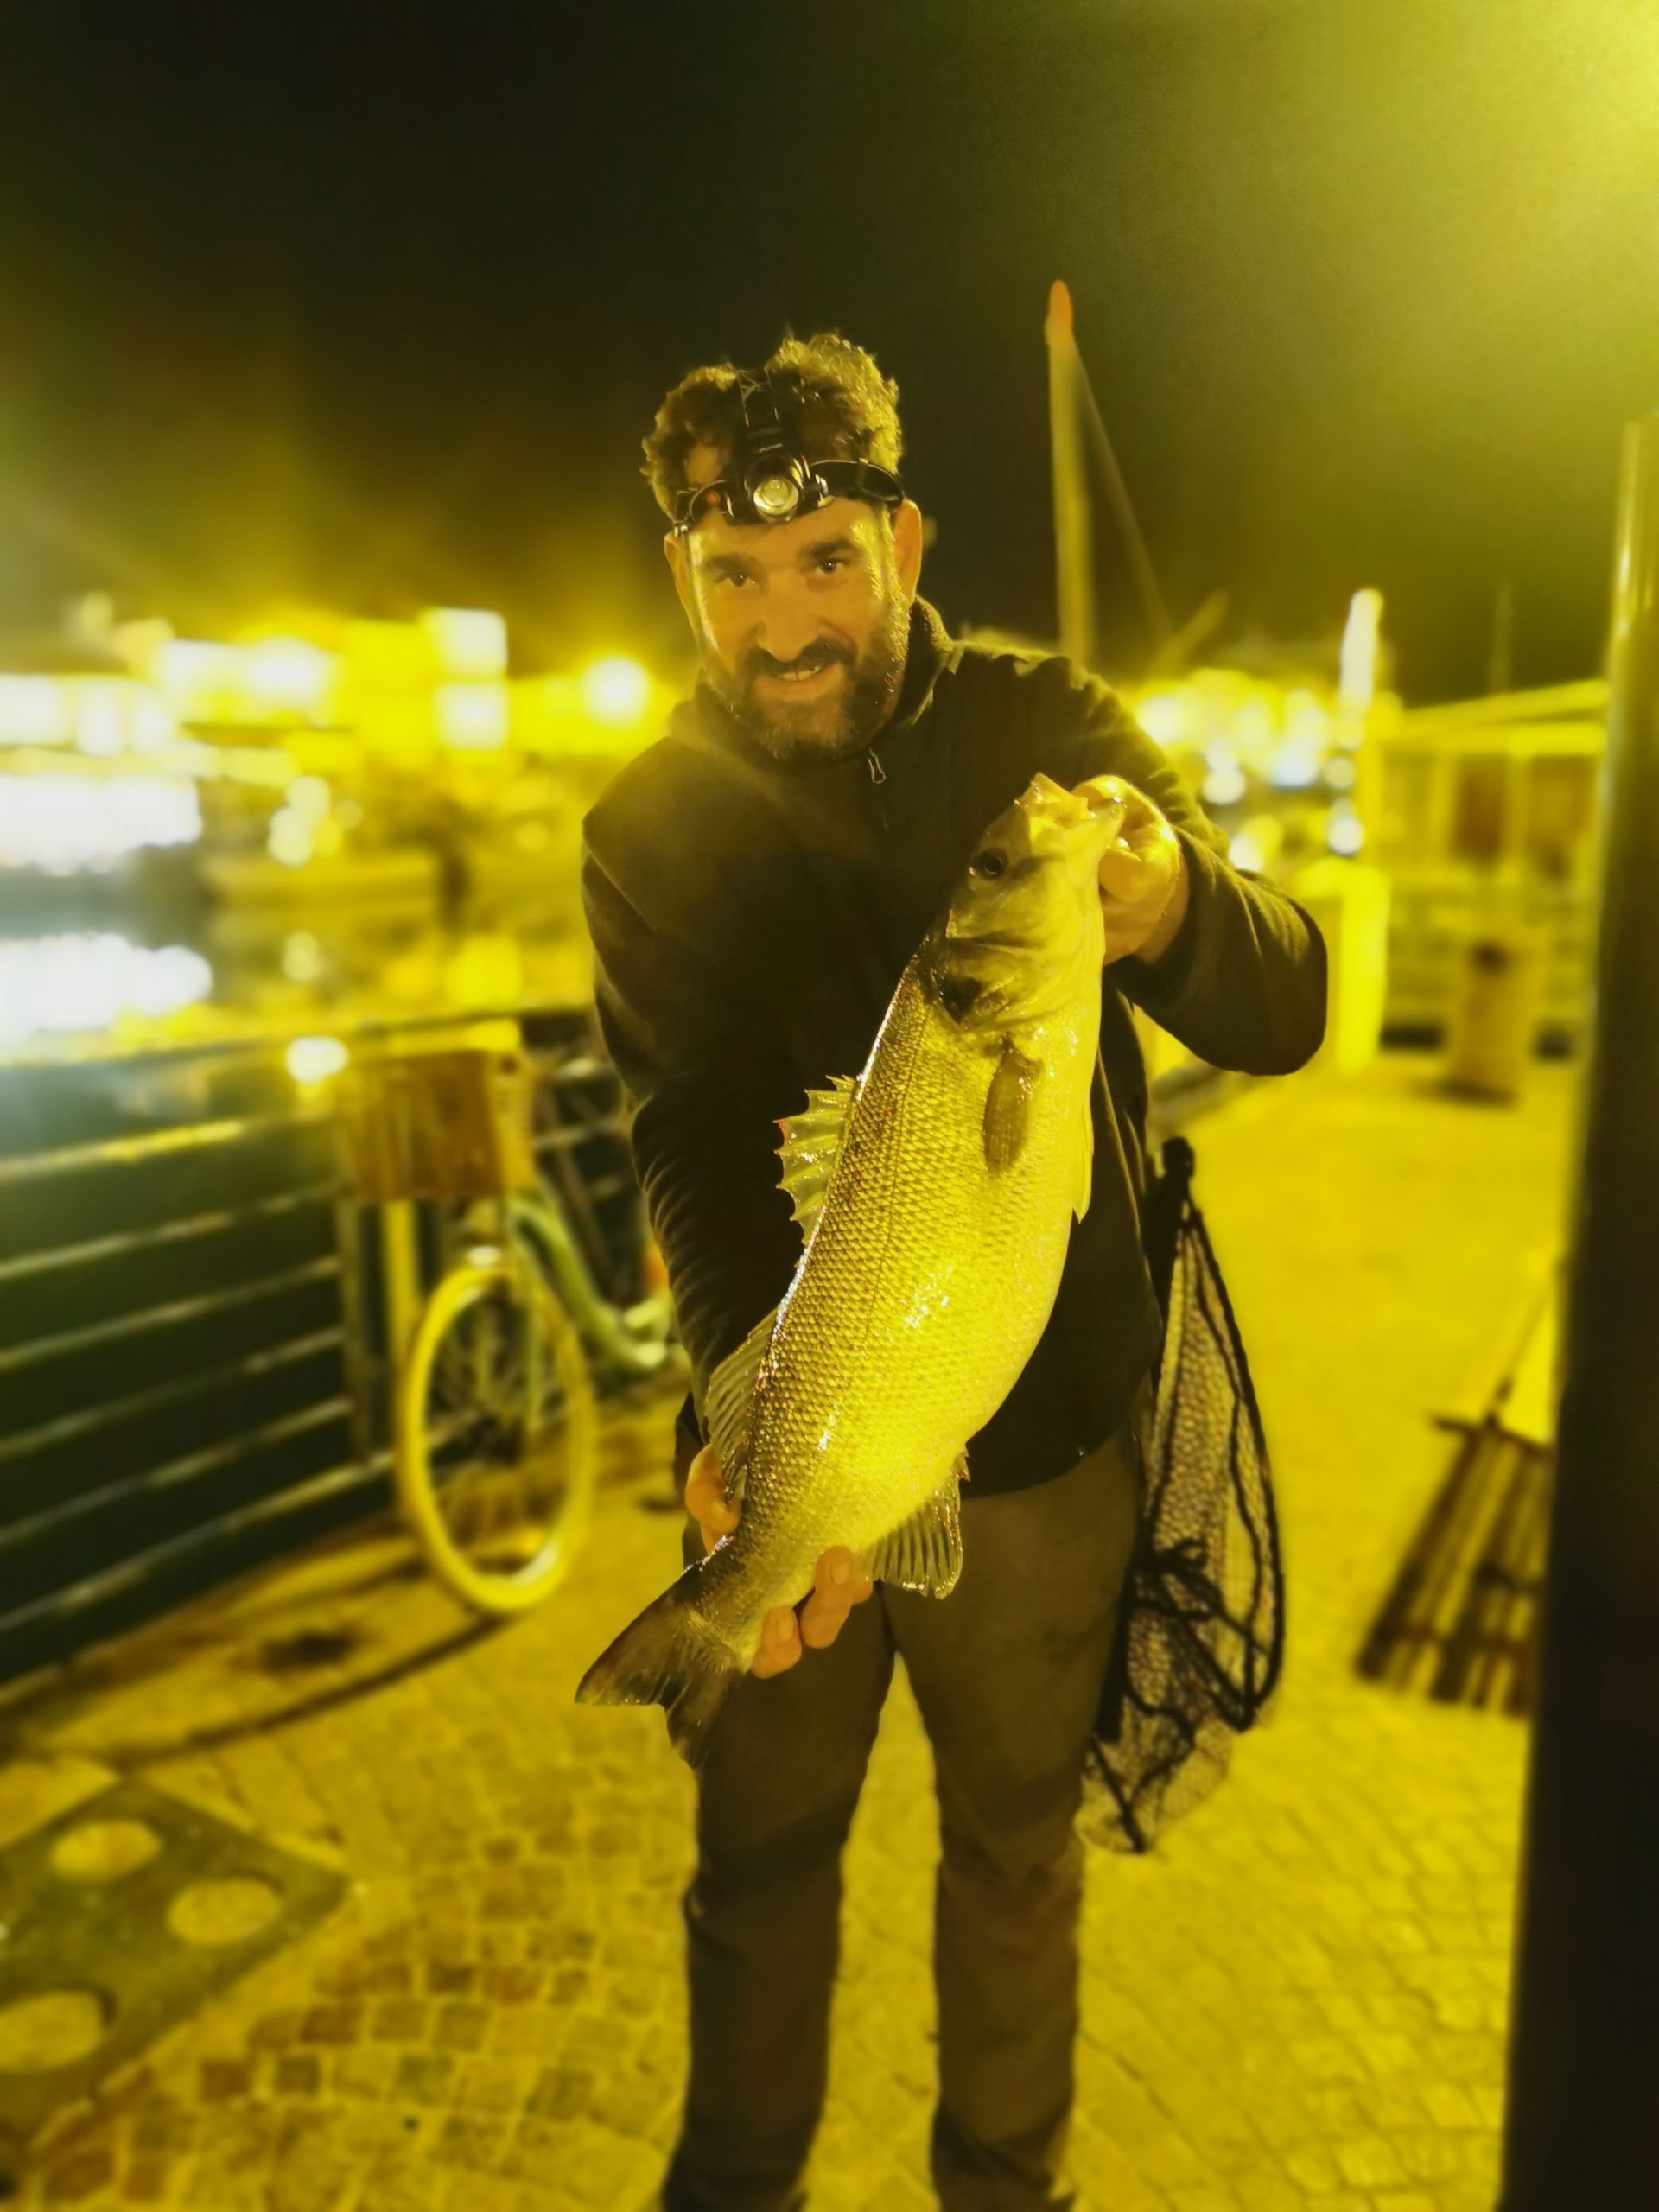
column 695, row 1061
column 1243, row 984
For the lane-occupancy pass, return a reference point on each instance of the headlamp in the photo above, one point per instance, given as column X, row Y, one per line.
column 773, row 480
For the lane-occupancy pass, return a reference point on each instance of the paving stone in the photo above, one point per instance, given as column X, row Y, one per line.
column 371, row 2071
column 220, row 2079
column 461, row 2026
column 400, row 2019
column 333, row 2023
column 298, row 2073
column 423, row 2077
column 79, row 2176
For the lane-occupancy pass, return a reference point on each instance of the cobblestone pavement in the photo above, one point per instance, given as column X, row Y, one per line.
column 1299, row 2001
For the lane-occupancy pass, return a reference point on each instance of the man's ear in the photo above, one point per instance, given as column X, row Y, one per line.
column 674, row 548
column 907, row 545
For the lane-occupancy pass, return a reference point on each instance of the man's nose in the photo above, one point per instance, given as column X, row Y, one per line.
column 788, row 625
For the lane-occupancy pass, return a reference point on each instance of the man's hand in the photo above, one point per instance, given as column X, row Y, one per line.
column 1143, row 886
column 788, row 1629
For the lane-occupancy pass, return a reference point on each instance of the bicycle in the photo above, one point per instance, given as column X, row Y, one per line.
column 492, row 1395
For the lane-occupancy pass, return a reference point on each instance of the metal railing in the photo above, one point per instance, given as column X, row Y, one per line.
column 184, row 1394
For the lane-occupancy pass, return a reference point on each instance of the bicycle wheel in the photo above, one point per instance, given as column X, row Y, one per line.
column 497, row 1433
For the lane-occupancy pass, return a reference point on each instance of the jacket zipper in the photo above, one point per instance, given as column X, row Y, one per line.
column 878, row 777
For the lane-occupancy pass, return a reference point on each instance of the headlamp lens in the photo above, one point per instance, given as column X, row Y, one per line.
column 775, row 496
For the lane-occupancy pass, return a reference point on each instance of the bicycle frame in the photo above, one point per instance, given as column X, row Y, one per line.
column 632, row 1339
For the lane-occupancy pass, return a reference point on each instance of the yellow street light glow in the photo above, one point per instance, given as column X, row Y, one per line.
column 91, row 980
column 308, row 795
column 314, row 1059
column 64, row 822
column 289, row 839
column 1356, row 686
column 204, row 681
column 33, row 710
column 466, row 641
column 1167, row 717
column 286, row 675
column 472, row 716
column 616, row 690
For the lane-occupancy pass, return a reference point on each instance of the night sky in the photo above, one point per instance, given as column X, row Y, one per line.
column 369, row 306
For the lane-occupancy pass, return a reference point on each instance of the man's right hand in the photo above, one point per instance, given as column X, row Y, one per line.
column 787, row 1629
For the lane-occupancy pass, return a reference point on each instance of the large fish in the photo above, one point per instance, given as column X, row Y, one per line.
column 936, row 1196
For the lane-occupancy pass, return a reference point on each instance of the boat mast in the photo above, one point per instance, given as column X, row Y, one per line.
column 1073, row 545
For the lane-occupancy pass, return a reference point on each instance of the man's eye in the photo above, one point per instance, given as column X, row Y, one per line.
column 831, row 561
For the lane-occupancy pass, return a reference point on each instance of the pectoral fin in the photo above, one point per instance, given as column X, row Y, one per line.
column 1085, row 1183
column 1008, row 1107
column 924, row 1552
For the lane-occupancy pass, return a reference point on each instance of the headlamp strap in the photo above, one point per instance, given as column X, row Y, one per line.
column 762, row 427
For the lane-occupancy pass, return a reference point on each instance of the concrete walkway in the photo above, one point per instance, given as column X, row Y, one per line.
column 1299, row 2001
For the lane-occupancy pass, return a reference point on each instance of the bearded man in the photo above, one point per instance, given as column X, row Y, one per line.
column 754, row 884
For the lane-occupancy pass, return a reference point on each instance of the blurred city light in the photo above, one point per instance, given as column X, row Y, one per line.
column 291, row 837
column 1167, row 717
column 1356, row 686
column 285, row 675
column 473, row 717
column 91, row 980
column 316, row 1059
column 308, row 795
column 205, row 681
column 33, row 710
column 61, row 822
column 615, row 690
column 467, row 642
column 303, row 958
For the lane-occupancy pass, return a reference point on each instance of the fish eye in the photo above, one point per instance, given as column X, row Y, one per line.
column 989, row 863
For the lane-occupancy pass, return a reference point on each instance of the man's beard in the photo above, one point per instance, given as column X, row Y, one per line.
column 822, row 730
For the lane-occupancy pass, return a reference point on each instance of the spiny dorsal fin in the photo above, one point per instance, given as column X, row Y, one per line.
column 926, row 1552
column 730, row 1395
column 811, row 1146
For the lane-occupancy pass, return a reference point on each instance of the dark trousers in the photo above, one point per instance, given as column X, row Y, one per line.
column 1006, row 1672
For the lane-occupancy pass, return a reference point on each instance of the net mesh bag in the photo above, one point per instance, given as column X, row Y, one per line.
column 1201, row 1619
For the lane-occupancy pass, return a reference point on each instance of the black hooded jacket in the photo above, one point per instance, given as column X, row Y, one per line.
column 750, row 923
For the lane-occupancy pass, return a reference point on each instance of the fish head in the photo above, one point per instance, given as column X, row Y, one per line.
column 1023, row 933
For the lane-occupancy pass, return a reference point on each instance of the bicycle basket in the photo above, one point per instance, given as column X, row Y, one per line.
column 1202, row 1627
column 437, row 1125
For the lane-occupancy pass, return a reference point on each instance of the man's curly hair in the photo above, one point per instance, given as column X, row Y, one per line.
column 832, row 400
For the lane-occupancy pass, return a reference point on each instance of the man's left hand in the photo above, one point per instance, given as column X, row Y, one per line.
column 1143, row 884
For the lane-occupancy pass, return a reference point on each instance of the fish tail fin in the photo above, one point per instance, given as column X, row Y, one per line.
column 671, row 1657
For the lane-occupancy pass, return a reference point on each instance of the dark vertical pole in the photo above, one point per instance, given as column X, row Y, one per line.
column 1582, row 2127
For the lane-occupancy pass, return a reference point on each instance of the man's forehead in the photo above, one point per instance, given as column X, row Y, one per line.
column 714, row 533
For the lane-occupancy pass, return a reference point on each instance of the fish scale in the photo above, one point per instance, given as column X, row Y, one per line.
column 936, row 1198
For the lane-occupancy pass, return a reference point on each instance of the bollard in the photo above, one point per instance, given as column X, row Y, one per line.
column 1494, row 1016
